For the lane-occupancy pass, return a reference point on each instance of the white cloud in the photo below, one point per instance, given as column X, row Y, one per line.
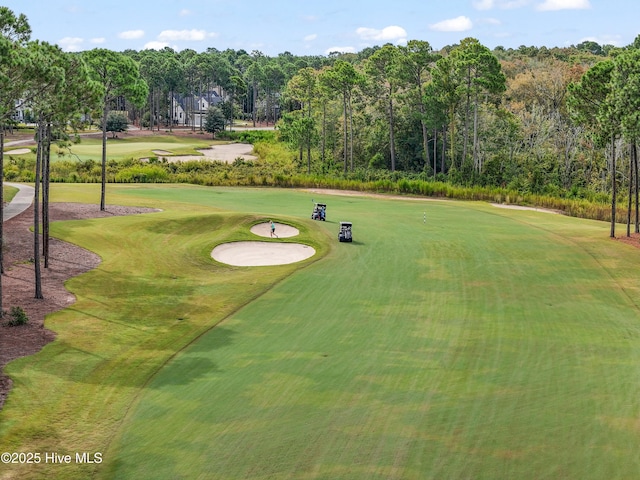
column 501, row 4
column 340, row 49
column 70, row 44
column 155, row 45
column 131, row 34
column 185, row 35
column 310, row 38
column 98, row 40
column 490, row 21
column 458, row 24
column 387, row 34
column 185, row 12
column 615, row 40
column 549, row 5
column 483, row 4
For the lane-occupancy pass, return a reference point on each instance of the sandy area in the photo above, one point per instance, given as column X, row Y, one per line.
column 18, row 151
column 225, row 153
column 282, row 231
column 257, row 254
column 520, row 207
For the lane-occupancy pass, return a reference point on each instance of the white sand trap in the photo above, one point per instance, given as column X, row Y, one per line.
column 258, row 254
column 18, row 151
column 226, row 153
column 282, row 231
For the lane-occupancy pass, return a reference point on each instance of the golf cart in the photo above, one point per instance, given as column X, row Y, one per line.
column 319, row 212
column 344, row 235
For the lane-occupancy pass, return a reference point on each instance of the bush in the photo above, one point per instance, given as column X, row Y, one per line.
column 252, row 136
column 18, row 317
column 142, row 174
column 116, row 122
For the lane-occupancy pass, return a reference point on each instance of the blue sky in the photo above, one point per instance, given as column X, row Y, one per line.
column 317, row 28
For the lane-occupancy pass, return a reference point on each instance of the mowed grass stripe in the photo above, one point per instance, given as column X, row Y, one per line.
column 479, row 345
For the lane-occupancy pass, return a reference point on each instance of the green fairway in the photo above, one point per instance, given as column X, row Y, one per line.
column 449, row 340
column 122, row 148
column 90, row 148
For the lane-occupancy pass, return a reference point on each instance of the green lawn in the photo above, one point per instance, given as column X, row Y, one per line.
column 90, row 147
column 483, row 343
column 9, row 193
column 134, row 147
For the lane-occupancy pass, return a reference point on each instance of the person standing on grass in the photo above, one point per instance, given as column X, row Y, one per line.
column 273, row 229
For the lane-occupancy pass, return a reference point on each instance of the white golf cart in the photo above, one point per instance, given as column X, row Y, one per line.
column 344, row 235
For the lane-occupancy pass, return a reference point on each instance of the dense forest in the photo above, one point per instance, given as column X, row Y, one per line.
column 557, row 122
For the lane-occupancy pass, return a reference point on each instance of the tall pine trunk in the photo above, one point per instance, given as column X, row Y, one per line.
column 630, row 193
column 255, row 101
column 46, row 162
column 444, row 149
column 351, row 133
column 435, row 152
column 1, row 214
column 452, row 131
column 635, row 184
column 392, row 142
column 614, row 189
column 324, row 132
column 476, row 159
column 345, row 111
column 172, row 109
column 467, row 114
column 308, row 138
column 103, row 190
column 36, row 212
column 423, row 125
column 151, row 116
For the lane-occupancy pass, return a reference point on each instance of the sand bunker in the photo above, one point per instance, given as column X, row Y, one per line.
column 282, row 231
column 226, row 153
column 257, row 254
column 18, row 151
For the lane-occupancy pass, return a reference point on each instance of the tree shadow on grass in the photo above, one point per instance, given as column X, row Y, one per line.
column 183, row 370
column 188, row 365
column 194, row 362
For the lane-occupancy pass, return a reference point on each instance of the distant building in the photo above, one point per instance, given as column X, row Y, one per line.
column 191, row 110
column 19, row 113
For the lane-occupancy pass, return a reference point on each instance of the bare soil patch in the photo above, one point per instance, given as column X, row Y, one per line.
column 18, row 290
column 633, row 240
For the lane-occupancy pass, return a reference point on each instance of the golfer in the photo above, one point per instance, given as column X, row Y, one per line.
column 273, row 229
